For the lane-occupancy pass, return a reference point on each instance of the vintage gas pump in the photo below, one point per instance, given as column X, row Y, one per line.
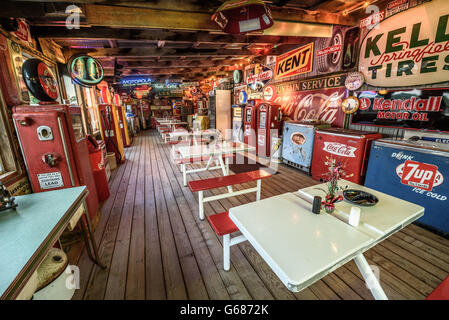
column 110, row 130
column 249, row 125
column 268, row 125
column 123, row 124
column 52, row 138
column 250, row 122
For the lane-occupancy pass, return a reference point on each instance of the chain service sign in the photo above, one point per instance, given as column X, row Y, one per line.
column 295, row 62
column 409, row 48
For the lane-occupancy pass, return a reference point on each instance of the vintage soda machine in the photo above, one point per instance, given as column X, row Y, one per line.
column 350, row 147
column 298, row 138
column 52, row 138
column 110, row 130
column 268, row 125
column 237, row 123
column 415, row 171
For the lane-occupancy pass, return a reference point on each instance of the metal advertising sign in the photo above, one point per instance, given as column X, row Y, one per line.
column 295, row 62
column 408, row 49
column 415, row 109
column 314, row 99
column 85, row 70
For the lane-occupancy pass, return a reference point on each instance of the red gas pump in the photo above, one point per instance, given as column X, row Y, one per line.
column 250, row 121
column 55, row 149
column 268, row 125
column 249, row 125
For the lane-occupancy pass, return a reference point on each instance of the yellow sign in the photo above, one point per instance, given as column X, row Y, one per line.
column 295, row 62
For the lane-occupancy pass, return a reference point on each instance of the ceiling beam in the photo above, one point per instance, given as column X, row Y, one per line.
column 96, row 33
column 119, row 16
column 157, row 52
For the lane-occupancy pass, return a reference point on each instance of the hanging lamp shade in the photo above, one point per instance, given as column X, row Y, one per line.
column 241, row 16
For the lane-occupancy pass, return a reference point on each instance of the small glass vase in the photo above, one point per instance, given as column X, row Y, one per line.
column 329, row 210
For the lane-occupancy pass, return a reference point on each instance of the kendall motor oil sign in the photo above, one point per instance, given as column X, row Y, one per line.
column 295, row 62
column 409, row 48
column 415, row 109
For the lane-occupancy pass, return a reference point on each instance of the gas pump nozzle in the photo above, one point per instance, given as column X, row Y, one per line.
column 51, row 159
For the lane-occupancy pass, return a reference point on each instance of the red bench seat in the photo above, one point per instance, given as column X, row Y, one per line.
column 212, row 183
column 222, row 224
column 441, row 292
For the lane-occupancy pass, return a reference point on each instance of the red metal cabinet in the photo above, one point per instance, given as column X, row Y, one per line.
column 55, row 149
column 268, row 125
column 351, row 147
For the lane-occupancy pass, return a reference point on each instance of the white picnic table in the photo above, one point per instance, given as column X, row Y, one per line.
column 302, row 247
column 212, row 151
column 194, row 135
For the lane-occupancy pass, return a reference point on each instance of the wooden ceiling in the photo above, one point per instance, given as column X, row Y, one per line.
column 172, row 38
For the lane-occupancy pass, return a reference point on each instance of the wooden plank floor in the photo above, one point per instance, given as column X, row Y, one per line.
column 155, row 246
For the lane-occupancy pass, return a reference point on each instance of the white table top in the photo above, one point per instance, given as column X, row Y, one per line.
column 185, row 133
column 218, row 148
column 302, row 247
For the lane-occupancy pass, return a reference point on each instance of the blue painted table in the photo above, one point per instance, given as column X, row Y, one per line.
column 27, row 233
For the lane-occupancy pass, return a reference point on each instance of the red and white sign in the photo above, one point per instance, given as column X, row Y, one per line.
column 329, row 50
column 339, row 149
column 372, row 20
column 419, row 175
column 23, row 32
column 268, row 93
column 261, row 76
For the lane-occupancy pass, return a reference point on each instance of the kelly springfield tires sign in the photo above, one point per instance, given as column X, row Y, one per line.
column 409, row 48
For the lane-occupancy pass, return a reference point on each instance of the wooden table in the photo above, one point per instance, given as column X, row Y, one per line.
column 302, row 247
column 213, row 151
column 27, row 233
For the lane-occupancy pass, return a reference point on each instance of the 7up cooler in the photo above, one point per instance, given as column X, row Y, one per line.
column 349, row 147
column 413, row 171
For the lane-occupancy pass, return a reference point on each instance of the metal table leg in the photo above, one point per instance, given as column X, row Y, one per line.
column 89, row 239
column 370, row 279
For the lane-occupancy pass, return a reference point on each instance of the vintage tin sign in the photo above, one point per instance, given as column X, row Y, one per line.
column 85, row 70
column 408, row 49
column 295, row 62
column 414, row 109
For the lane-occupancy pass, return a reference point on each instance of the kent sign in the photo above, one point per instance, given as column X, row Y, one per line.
column 295, row 62
column 407, row 49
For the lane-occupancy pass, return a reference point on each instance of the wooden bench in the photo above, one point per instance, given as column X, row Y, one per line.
column 441, row 292
column 207, row 184
column 223, row 226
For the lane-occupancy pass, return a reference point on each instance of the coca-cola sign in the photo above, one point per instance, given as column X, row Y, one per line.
column 339, row 149
column 324, row 105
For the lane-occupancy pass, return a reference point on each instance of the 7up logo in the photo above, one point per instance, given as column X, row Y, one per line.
column 420, row 175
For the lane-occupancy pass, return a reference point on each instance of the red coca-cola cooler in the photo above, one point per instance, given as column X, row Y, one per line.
column 350, row 147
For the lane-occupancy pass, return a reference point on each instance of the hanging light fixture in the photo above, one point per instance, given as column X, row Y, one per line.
column 242, row 16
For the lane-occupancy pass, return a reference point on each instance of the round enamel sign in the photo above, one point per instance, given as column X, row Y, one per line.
column 40, row 80
column 85, row 70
